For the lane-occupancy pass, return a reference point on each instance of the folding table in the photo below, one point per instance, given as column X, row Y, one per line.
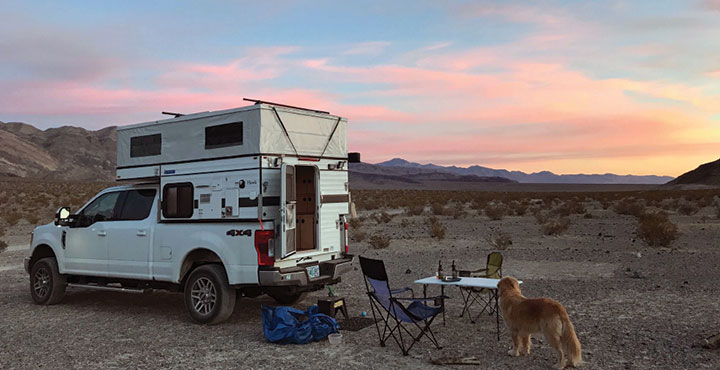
column 468, row 282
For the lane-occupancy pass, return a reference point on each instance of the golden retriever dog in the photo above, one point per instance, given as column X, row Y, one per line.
column 527, row 316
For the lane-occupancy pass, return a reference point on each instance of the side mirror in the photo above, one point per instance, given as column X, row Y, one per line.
column 62, row 216
column 354, row 157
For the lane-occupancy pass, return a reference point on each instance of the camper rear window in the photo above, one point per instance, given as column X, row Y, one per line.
column 144, row 146
column 178, row 200
column 220, row 136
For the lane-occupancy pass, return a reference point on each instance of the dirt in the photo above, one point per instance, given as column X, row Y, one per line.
column 633, row 306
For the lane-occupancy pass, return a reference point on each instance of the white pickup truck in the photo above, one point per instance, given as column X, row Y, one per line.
column 212, row 227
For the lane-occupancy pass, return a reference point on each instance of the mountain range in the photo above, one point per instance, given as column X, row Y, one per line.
column 401, row 166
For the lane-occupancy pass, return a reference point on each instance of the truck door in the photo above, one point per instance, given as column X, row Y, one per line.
column 287, row 210
column 86, row 249
column 130, row 234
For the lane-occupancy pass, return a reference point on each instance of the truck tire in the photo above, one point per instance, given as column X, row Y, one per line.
column 209, row 298
column 286, row 298
column 47, row 286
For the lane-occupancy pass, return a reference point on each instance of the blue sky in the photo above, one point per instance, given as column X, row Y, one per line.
column 567, row 86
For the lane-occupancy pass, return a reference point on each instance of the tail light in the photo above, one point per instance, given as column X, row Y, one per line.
column 347, row 245
column 263, row 242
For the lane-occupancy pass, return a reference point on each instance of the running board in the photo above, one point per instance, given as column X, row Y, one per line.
column 108, row 288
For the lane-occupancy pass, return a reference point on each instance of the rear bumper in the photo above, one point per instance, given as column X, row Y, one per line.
column 330, row 272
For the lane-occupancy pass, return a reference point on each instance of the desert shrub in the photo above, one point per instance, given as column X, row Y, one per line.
column 496, row 211
column 656, row 229
column 519, row 208
column 457, row 212
column 499, row 240
column 358, row 235
column 587, row 215
column 383, row 217
column 404, row 222
column 568, row 208
column 437, row 230
column 477, row 204
column 13, row 217
column 542, row 216
column 355, row 222
column 416, row 209
column 379, row 241
column 555, row 226
column 33, row 219
column 630, row 206
column 437, row 209
column 3, row 246
column 688, row 208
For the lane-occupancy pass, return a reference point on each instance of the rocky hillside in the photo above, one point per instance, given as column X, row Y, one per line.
column 70, row 153
column 706, row 174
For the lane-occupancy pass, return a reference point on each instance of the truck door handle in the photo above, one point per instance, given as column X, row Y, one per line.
column 102, row 233
column 142, row 233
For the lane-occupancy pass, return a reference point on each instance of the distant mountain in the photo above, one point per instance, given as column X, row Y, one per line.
column 706, row 174
column 546, row 177
column 58, row 153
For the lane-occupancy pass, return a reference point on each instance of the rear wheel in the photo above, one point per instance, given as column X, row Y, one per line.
column 209, row 298
column 47, row 286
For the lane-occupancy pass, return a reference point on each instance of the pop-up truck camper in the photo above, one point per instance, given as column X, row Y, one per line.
column 249, row 201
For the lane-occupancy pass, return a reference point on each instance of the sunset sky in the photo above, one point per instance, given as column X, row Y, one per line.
column 566, row 86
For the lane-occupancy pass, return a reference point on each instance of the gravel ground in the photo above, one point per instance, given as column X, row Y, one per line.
column 633, row 307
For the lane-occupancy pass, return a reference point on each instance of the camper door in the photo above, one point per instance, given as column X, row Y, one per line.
column 287, row 210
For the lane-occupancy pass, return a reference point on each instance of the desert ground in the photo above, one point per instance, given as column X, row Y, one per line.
column 634, row 305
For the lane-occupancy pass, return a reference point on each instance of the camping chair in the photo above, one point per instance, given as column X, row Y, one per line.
column 393, row 312
column 484, row 297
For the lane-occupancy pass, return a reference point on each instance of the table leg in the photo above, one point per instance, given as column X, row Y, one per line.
column 497, row 315
column 442, row 293
column 424, row 290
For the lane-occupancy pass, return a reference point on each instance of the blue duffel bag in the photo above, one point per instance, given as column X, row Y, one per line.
column 282, row 325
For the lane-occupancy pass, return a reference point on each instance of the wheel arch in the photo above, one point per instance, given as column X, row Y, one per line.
column 198, row 257
column 39, row 252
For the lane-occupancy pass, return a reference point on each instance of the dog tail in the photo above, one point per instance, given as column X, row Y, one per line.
column 570, row 342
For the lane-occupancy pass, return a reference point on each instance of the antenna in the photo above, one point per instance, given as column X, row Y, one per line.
column 285, row 105
column 173, row 114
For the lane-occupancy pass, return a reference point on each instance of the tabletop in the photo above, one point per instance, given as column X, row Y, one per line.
column 464, row 281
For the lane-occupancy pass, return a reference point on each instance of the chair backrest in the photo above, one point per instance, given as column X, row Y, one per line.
column 494, row 265
column 376, row 276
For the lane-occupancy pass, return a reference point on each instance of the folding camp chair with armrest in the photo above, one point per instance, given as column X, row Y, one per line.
column 393, row 312
column 484, row 297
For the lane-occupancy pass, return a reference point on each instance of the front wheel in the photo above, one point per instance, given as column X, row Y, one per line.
column 209, row 298
column 47, row 286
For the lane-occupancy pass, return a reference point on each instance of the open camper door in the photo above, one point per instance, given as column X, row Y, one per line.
column 287, row 210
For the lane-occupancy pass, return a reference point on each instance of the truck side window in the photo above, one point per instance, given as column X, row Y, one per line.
column 178, row 200
column 101, row 209
column 137, row 205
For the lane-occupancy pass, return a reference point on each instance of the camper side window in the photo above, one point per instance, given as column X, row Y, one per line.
column 145, row 146
column 178, row 200
column 221, row 136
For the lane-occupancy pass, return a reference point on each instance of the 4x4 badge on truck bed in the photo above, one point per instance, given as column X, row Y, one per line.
column 247, row 232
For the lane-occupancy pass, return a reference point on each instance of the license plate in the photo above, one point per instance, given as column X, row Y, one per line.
column 313, row 271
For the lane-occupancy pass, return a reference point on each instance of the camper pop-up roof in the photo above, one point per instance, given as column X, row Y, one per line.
column 253, row 130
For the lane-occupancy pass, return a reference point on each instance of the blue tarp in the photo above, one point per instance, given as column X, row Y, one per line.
column 282, row 325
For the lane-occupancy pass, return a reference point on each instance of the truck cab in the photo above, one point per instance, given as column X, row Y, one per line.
column 212, row 206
